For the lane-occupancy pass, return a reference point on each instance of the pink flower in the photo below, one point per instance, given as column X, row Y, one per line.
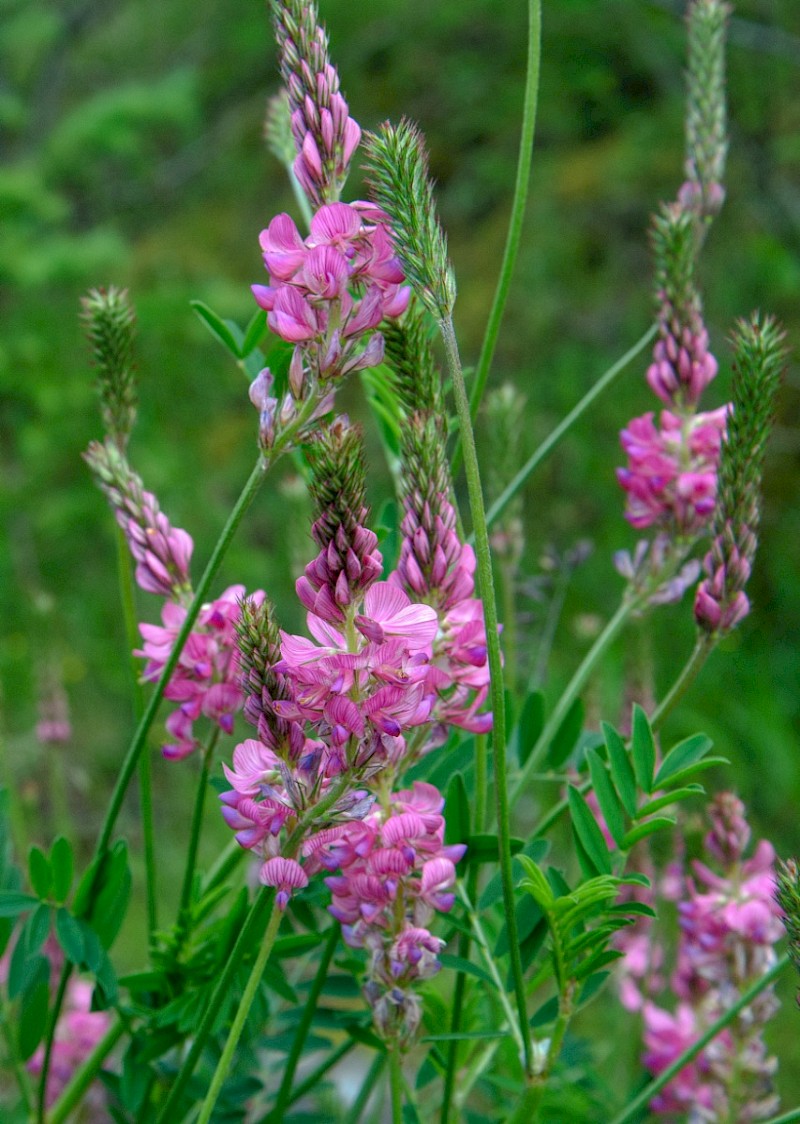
column 78, row 1031
column 285, row 875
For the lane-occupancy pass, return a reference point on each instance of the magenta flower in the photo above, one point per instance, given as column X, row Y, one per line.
column 672, row 471
column 285, row 875
column 206, row 680
column 78, row 1031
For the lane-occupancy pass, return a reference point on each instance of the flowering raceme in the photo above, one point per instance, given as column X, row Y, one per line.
column 671, row 478
column 729, row 924
column 206, row 680
column 341, row 715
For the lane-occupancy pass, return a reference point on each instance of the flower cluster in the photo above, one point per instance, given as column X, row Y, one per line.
column 671, row 476
column 206, row 680
column 395, row 872
column 325, row 294
column 671, row 479
column 341, row 715
column 729, row 924
column 324, row 133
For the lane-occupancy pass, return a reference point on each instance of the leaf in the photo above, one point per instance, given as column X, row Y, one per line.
column 254, row 333
column 685, row 753
column 63, row 866
column 535, row 849
column 297, row 944
column 70, row 936
column 528, row 914
column 14, row 902
column 536, row 884
column 530, row 725
column 607, row 798
column 111, row 894
column 566, row 737
column 222, row 330
column 457, row 811
column 672, row 797
column 467, row 1036
column 621, row 769
column 37, row 928
column 40, row 872
column 649, row 827
column 690, row 771
column 643, row 749
column 588, row 831
column 458, row 964
column 547, row 1013
column 33, row 1019
column 485, row 848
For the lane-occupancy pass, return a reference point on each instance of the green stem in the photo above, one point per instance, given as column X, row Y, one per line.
column 396, row 1085
column 249, row 932
column 464, row 942
column 688, row 1055
column 83, row 1077
column 547, row 446
column 194, row 834
column 691, row 669
column 627, row 606
column 516, row 218
column 304, row 1025
column 227, row 862
column 483, row 945
column 127, row 596
column 785, row 1118
column 312, row 1081
column 50, row 1034
column 242, row 1011
column 366, row 1090
column 487, row 593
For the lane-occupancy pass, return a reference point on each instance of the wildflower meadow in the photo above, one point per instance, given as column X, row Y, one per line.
column 353, row 763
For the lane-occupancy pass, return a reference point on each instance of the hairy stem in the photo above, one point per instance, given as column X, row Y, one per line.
column 284, row 1092
column 550, row 442
column 514, row 235
column 242, row 1011
column 573, row 689
column 83, row 1077
column 194, row 835
column 691, row 669
column 486, row 589
column 127, row 593
column 396, row 1085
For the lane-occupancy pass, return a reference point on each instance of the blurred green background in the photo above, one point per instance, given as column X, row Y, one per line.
column 132, row 155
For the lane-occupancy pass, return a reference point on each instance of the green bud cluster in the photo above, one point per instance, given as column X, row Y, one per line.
column 426, row 473
column 338, row 480
column 673, row 239
column 259, row 643
column 397, row 172
column 787, row 894
column 110, row 322
column 706, row 133
column 278, row 128
column 759, row 363
column 410, row 355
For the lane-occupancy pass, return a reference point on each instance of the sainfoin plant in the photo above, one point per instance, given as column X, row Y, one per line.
column 432, row 869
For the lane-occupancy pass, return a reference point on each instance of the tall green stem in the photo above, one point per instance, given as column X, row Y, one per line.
column 242, row 1011
column 128, row 600
column 516, row 219
column 194, row 832
column 248, row 934
column 573, row 689
column 486, row 588
column 396, row 1085
column 691, row 669
column 82, row 1078
column 550, row 442
column 284, row 1092
column 689, row 1054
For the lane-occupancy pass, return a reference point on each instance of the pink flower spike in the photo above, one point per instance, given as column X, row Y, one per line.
column 285, row 875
